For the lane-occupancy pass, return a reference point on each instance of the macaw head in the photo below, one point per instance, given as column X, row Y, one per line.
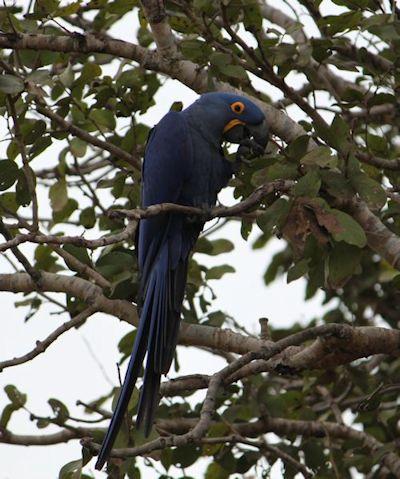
column 235, row 117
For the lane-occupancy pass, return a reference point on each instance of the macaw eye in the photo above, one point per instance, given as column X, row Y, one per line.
column 237, row 107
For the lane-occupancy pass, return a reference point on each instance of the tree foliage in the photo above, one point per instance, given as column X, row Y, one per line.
column 327, row 186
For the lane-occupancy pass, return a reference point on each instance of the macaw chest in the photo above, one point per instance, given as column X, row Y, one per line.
column 208, row 174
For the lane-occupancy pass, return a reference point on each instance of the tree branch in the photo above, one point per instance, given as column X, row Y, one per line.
column 380, row 238
column 127, row 233
column 84, row 135
column 41, row 346
column 162, row 33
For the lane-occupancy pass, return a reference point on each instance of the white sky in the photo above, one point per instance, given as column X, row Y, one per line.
column 68, row 370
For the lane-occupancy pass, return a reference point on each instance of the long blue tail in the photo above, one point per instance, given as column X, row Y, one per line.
column 157, row 335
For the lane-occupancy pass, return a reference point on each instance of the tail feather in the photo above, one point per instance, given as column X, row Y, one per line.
column 162, row 326
column 149, row 398
column 176, row 290
column 132, row 373
column 149, row 395
column 157, row 335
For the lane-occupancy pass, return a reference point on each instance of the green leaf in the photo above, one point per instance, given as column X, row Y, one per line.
column 221, row 245
column 275, row 215
column 320, row 156
column 22, row 193
column 297, row 148
column 44, row 7
column 32, row 130
column 44, row 258
column 181, row 23
column 176, row 106
column 343, row 262
column 6, row 415
column 79, row 253
column 234, row 71
column 336, row 184
column 308, row 185
column 90, row 71
column 58, row 195
column 283, row 170
column 195, row 50
column 41, row 144
column 340, row 129
column 216, row 272
column 8, row 174
column 214, row 247
column 67, row 76
column 78, row 147
column 298, row 270
column 87, row 218
column 349, row 230
column 68, row 9
column 125, row 344
column 314, row 454
column 252, row 15
column 216, row 319
column 8, row 201
column 339, row 23
column 104, row 119
column 65, row 212
column 17, row 401
column 60, row 410
column 246, row 461
column 12, row 150
column 220, row 60
column 42, row 423
column 185, row 456
column 369, row 190
column 321, row 49
column 204, row 6
column 167, row 458
column 116, row 262
column 336, row 135
column 246, row 228
column 72, row 470
column 215, row 471
column 10, row 84
column 17, row 398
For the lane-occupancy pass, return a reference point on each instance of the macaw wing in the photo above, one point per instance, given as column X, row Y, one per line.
column 166, row 166
column 162, row 263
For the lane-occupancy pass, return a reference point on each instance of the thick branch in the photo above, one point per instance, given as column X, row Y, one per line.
column 162, row 33
column 359, row 340
column 190, row 334
column 380, row 238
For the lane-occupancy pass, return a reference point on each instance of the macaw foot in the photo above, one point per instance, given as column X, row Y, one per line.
column 253, row 146
column 243, row 155
column 247, row 152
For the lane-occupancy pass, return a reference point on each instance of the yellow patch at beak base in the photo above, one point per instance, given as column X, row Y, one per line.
column 232, row 123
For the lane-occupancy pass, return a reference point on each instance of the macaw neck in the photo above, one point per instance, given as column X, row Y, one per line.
column 206, row 122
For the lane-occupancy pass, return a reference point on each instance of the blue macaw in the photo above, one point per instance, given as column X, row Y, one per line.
column 184, row 164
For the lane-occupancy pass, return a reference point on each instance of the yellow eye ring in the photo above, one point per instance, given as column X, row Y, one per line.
column 237, row 107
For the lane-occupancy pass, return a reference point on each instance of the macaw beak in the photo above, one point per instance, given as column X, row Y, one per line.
column 243, row 134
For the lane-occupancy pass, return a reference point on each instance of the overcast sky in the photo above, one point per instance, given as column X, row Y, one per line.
column 81, row 365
